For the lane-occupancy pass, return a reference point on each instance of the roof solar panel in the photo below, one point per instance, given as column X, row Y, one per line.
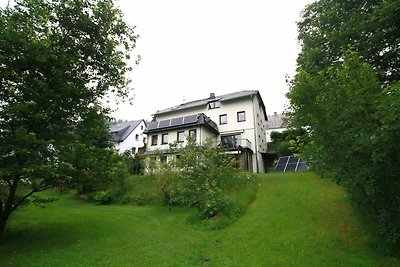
column 164, row 124
column 152, row 125
column 190, row 119
column 177, row 121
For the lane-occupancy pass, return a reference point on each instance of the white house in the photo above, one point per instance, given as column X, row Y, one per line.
column 275, row 123
column 129, row 135
column 236, row 121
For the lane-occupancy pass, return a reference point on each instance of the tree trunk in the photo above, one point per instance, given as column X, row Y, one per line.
column 3, row 222
column 8, row 207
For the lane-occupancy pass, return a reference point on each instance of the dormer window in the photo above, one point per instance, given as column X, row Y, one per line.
column 215, row 104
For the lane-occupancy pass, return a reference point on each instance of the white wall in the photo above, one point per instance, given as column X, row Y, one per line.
column 130, row 142
column 252, row 129
column 202, row 135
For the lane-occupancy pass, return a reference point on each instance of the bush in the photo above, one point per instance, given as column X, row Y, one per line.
column 102, row 197
column 204, row 178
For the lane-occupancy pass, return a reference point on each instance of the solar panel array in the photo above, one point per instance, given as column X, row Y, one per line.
column 172, row 122
column 289, row 164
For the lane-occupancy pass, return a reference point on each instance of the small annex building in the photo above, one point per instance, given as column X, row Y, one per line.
column 129, row 135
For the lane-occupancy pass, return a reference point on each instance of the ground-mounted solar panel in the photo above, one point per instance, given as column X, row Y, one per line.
column 302, row 166
column 290, row 163
column 190, row 119
column 291, row 167
column 293, row 160
column 164, row 124
column 152, row 125
column 177, row 121
column 283, row 160
column 280, row 168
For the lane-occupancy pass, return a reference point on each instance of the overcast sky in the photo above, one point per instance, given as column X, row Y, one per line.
column 192, row 48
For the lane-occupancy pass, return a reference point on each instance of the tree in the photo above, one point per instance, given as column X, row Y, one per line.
column 288, row 142
column 351, row 122
column 199, row 177
column 346, row 92
column 372, row 28
column 57, row 60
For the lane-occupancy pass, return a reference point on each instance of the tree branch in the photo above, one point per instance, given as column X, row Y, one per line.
column 38, row 188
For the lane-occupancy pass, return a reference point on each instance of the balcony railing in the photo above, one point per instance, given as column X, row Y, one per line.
column 233, row 144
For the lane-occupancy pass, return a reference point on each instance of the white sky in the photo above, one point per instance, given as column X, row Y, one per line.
column 192, row 48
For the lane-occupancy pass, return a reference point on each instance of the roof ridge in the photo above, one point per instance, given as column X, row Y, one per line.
column 195, row 103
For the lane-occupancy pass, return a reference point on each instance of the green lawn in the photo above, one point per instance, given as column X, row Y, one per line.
column 296, row 220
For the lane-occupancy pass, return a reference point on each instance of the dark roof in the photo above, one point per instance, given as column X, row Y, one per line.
column 182, row 122
column 276, row 121
column 212, row 98
column 121, row 130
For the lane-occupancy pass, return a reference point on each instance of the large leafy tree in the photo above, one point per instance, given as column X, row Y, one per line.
column 346, row 91
column 371, row 27
column 57, row 60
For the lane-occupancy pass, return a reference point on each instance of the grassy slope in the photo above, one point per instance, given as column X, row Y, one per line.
column 296, row 220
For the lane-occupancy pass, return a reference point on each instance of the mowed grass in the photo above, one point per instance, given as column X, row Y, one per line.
column 297, row 219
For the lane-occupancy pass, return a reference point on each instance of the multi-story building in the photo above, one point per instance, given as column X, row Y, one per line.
column 236, row 121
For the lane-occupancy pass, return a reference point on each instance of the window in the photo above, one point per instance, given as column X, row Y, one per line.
column 141, row 127
column 163, row 158
column 215, row 104
column 193, row 134
column 223, row 119
column 180, row 137
column 231, row 141
column 164, row 139
column 137, row 137
column 154, row 139
column 241, row 116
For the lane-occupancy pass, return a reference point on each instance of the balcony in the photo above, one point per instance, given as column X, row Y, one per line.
column 230, row 143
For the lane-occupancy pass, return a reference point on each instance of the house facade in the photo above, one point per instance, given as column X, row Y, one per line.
column 275, row 123
column 129, row 135
column 239, row 119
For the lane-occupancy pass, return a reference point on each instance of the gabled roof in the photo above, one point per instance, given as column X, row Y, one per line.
column 182, row 122
column 212, row 98
column 276, row 121
column 121, row 130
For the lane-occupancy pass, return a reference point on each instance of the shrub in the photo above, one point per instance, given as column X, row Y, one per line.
column 102, row 197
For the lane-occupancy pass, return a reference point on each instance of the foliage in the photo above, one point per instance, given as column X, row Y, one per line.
column 57, row 60
column 349, row 100
column 204, row 171
column 137, row 164
column 103, row 197
column 297, row 219
column 370, row 27
column 288, row 142
column 196, row 176
column 353, row 125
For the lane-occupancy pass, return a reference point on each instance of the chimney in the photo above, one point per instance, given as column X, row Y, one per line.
column 212, row 95
column 275, row 113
